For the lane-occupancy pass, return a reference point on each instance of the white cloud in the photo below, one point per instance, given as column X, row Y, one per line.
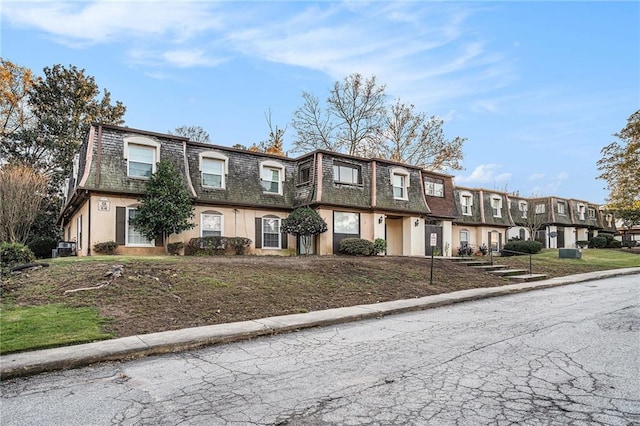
column 485, row 173
column 536, row 176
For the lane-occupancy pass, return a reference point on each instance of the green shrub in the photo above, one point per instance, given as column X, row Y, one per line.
column 12, row 254
column 174, row 248
column 379, row 246
column 582, row 243
column 629, row 243
column 598, row 242
column 239, row 244
column 614, row 244
column 216, row 246
column 42, row 247
column 356, row 247
column 521, row 247
column 108, row 247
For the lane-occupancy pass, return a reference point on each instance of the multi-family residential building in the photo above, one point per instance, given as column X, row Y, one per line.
column 248, row 194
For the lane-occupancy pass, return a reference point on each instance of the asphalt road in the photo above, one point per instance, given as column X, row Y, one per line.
column 567, row 355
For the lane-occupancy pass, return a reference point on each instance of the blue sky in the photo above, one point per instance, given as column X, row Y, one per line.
column 537, row 88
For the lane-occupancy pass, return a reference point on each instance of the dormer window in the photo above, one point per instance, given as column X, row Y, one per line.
column 581, row 211
column 562, row 208
column 214, row 168
column 434, row 187
column 346, row 173
column 523, row 206
column 272, row 177
column 141, row 154
column 400, row 183
column 466, row 202
column 496, row 205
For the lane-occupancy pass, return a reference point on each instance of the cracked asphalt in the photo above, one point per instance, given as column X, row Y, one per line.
column 561, row 356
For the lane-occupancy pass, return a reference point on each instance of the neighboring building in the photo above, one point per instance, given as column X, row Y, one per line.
column 484, row 218
column 248, row 194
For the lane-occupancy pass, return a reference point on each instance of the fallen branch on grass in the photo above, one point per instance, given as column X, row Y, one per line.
column 115, row 272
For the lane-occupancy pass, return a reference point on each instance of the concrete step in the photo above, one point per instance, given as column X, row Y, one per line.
column 508, row 272
column 473, row 262
column 527, row 277
column 490, row 268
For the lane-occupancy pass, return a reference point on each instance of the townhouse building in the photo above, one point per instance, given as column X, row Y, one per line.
column 239, row 193
column 248, row 194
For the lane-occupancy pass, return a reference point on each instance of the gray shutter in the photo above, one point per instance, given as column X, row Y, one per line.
column 121, row 221
column 159, row 240
column 284, row 240
column 258, row 232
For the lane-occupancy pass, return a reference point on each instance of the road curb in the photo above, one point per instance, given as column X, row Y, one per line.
column 34, row 362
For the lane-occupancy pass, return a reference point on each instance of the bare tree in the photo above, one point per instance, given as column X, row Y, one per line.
column 22, row 190
column 535, row 218
column 359, row 107
column 194, row 133
column 410, row 137
column 313, row 126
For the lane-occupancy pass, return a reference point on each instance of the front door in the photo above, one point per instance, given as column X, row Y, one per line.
column 433, row 229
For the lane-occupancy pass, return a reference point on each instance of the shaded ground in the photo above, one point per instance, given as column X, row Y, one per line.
column 176, row 292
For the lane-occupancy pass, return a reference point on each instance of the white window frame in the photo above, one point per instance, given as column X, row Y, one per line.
column 403, row 176
column 432, row 188
column 523, row 206
column 272, row 166
column 467, row 233
column 592, row 213
column 150, row 243
column 203, row 215
column 203, row 157
column 562, row 211
column 496, row 205
column 354, row 174
column 466, row 207
column 581, row 211
column 540, row 208
column 142, row 142
column 264, row 233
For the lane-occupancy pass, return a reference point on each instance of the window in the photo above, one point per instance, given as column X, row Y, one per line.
column 141, row 161
column 79, row 232
column 211, row 224
column 271, row 233
column 346, row 173
column 581, row 211
column 562, row 208
column 346, row 223
column 592, row 213
column 522, row 234
column 540, row 208
column 466, row 203
column 496, row 206
column 135, row 238
column 214, row 168
column 464, row 237
column 304, row 174
column 271, row 177
column 523, row 206
column 212, row 173
column 434, row 187
column 400, row 183
column 271, row 180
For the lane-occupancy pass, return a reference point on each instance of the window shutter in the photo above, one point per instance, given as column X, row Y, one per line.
column 159, row 240
column 121, row 213
column 258, row 232
column 284, row 240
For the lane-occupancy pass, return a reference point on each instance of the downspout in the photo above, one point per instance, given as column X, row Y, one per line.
column 89, row 222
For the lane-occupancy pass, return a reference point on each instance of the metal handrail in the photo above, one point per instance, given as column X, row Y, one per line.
column 521, row 253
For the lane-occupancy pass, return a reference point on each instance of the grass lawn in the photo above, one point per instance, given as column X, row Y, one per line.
column 167, row 293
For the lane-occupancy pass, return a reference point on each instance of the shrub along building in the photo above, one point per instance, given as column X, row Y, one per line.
column 239, row 193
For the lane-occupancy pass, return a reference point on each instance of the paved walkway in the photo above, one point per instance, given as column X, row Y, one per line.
column 34, row 362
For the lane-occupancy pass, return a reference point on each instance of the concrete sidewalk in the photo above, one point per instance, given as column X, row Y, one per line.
column 34, row 362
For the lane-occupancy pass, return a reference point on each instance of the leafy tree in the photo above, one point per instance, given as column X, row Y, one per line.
column 619, row 166
column 15, row 83
column 166, row 207
column 629, row 218
column 304, row 222
column 411, row 137
column 22, row 190
column 352, row 121
column 194, row 133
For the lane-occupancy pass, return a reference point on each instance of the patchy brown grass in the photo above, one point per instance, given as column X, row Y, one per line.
column 157, row 294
